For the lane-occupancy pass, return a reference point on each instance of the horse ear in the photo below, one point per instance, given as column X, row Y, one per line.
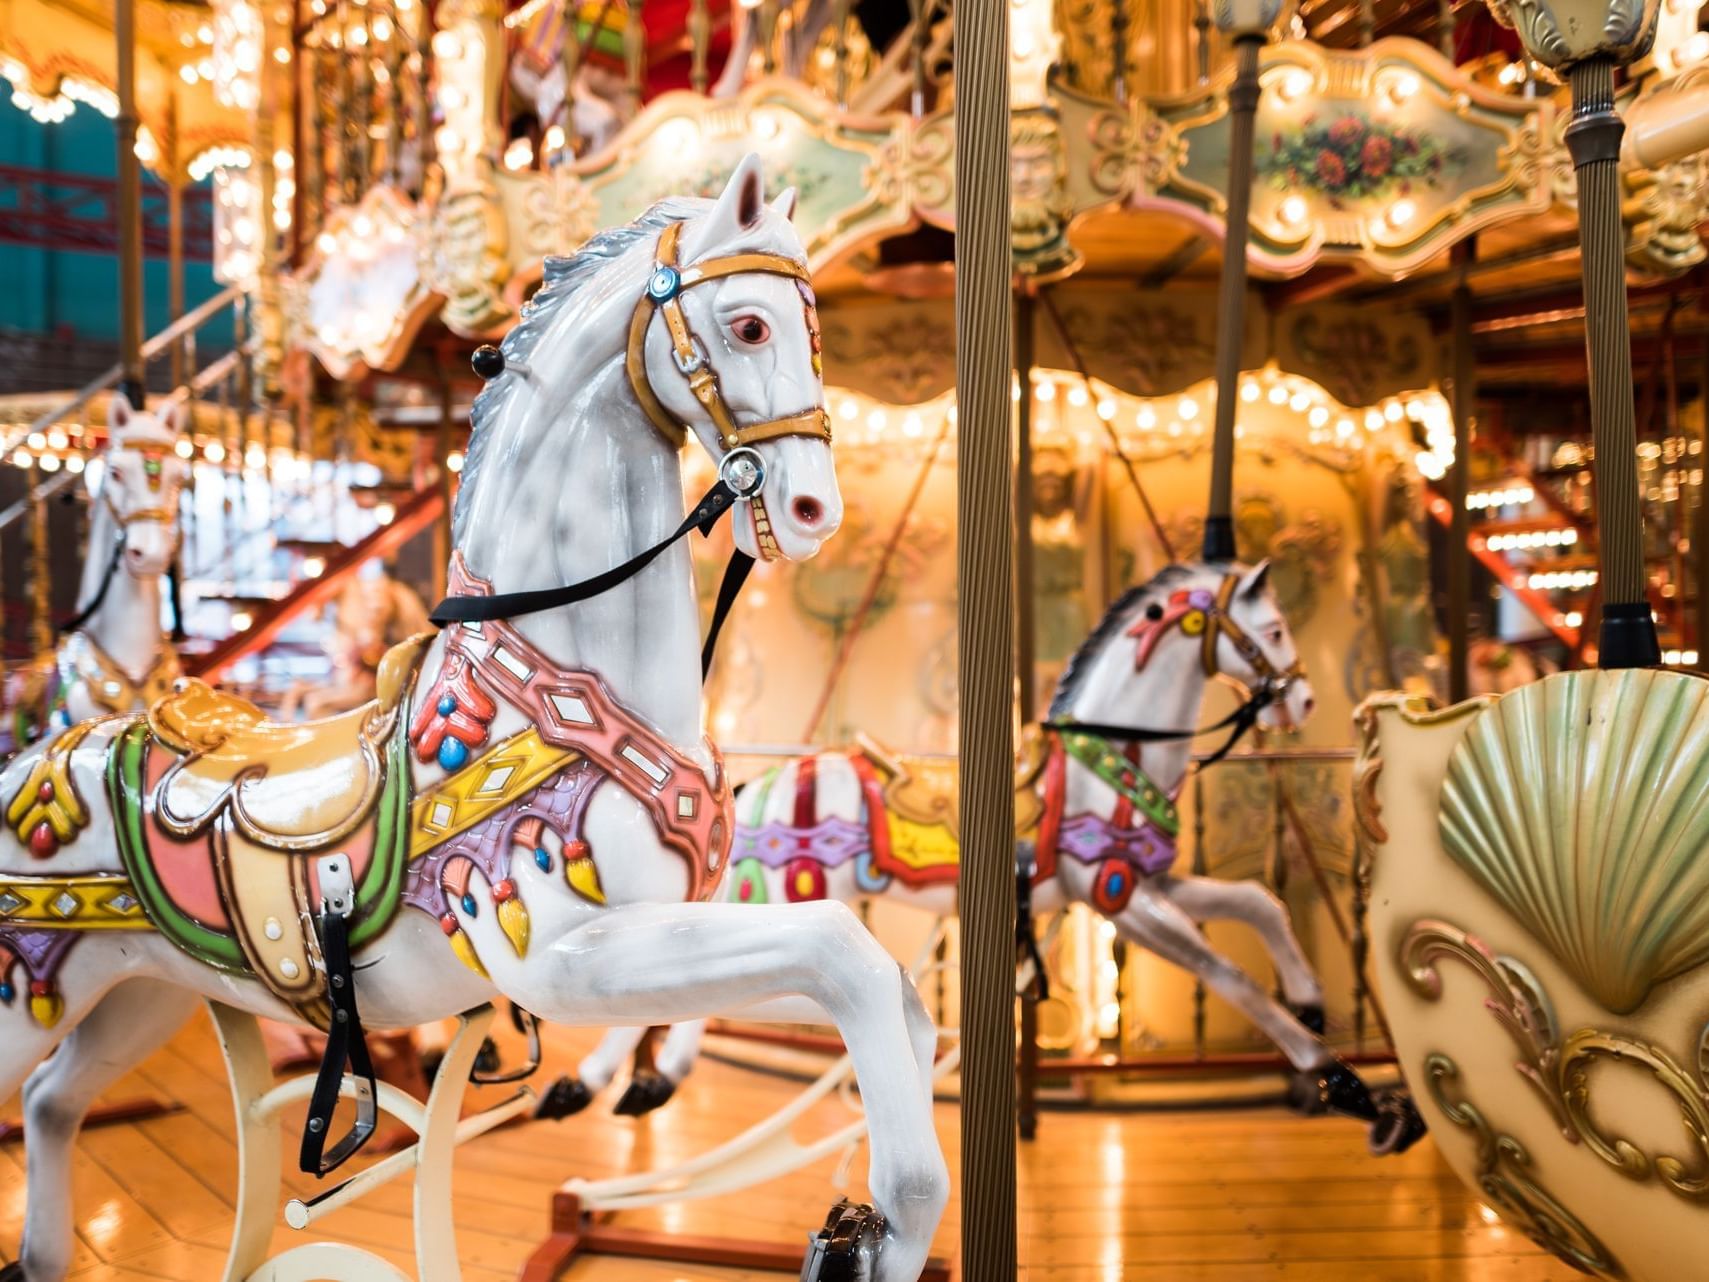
column 785, row 204
column 1256, row 580
column 118, row 410
column 738, row 209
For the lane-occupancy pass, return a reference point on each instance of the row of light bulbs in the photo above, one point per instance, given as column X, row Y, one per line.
column 1527, row 540
column 1562, row 580
column 1512, row 496
column 72, row 91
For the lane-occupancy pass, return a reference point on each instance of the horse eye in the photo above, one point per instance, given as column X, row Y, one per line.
column 750, row 329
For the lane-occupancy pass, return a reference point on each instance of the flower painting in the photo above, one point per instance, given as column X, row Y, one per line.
column 1350, row 158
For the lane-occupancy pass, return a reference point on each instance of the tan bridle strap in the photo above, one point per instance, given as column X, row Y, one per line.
column 740, row 264
column 696, row 369
column 815, row 423
column 1221, row 622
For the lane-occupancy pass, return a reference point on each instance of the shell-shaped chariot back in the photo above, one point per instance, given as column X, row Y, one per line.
column 1581, row 804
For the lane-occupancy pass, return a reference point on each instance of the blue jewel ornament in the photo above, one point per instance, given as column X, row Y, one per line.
column 7, row 993
column 1117, row 881
column 469, row 905
column 452, row 753
column 663, row 284
column 542, row 859
column 446, row 706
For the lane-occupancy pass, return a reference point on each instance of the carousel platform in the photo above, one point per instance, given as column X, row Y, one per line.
column 1234, row 1195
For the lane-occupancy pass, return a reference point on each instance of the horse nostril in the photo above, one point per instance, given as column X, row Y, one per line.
column 807, row 511
column 1309, row 705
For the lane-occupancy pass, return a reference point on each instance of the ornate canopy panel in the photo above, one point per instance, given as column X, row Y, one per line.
column 857, row 178
column 1383, row 157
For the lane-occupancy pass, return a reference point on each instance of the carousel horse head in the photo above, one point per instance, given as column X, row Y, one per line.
column 1206, row 620
column 1255, row 649
column 701, row 314
column 140, row 480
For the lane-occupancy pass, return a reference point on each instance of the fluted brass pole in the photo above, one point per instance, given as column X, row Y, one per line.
column 1243, row 97
column 1583, row 41
column 1459, row 529
column 1628, row 633
column 986, row 621
column 131, row 382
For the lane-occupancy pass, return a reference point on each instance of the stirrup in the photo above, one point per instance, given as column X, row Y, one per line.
column 846, row 1249
column 345, row 1040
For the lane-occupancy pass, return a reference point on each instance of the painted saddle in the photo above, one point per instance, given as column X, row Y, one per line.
column 908, row 829
column 230, row 825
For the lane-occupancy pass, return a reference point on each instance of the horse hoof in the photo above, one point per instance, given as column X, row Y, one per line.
column 563, row 1098
column 846, row 1249
column 1305, row 1094
column 1341, row 1090
column 1310, row 1014
column 487, row 1059
column 1398, row 1126
column 646, row 1092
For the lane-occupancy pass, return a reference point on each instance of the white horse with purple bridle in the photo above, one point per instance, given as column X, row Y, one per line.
column 529, row 807
column 1097, row 805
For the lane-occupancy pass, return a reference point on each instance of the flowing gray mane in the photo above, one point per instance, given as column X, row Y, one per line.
column 561, row 281
column 1080, row 666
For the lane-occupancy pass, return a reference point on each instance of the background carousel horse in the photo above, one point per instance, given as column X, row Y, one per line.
column 528, row 807
column 1098, row 812
column 113, row 656
column 372, row 614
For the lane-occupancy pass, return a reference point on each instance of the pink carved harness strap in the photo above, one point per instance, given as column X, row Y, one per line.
column 574, row 710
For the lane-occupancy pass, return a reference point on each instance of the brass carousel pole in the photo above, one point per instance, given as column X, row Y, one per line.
column 131, row 379
column 1584, row 41
column 986, row 631
column 1700, row 521
column 1459, row 527
column 1247, row 23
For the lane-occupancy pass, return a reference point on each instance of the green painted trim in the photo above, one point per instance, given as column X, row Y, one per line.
column 124, row 795
column 381, row 891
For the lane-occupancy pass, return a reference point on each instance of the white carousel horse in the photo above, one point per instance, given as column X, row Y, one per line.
column 528, row 807
column 1100, row 817
column 114, row 658
column 594, row 117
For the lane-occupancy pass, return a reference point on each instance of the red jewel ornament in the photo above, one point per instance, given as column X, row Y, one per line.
column 504, row 890
column 44, row 794
column 575, row 851
column 448, row 924
column 43, row 843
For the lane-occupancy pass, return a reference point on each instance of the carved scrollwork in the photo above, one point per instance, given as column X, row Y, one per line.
column 1367, row 770
column 1517, row 1001
column 1561, row 1071
column 1666, row 238
column 1588, row 1047
column 1504, row 1177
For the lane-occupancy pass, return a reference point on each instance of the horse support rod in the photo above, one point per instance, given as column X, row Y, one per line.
column 299, row 1214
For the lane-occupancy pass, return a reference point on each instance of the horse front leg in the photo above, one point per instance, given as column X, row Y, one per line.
column 123, row 1029
column 670, row 963
column 1154, row 921
column 1251, row 903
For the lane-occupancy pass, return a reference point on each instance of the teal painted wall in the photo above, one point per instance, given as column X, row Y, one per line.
column 47, row 290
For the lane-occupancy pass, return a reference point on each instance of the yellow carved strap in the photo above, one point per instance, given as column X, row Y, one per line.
column 486, row 785
column 92, row 901
column 739, row 264
column 636, row 364
column 815, row 422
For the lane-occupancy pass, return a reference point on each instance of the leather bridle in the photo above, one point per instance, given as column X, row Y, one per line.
column 663, row 297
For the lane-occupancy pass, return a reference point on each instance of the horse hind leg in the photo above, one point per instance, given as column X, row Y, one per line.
column 663, row 1059
column 570, row 1094
column 123, row 1028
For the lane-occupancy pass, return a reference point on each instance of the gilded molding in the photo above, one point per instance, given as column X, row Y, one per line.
column 1504, row 1176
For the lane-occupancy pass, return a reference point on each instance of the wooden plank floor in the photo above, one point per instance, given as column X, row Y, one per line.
column 1147, row 1197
